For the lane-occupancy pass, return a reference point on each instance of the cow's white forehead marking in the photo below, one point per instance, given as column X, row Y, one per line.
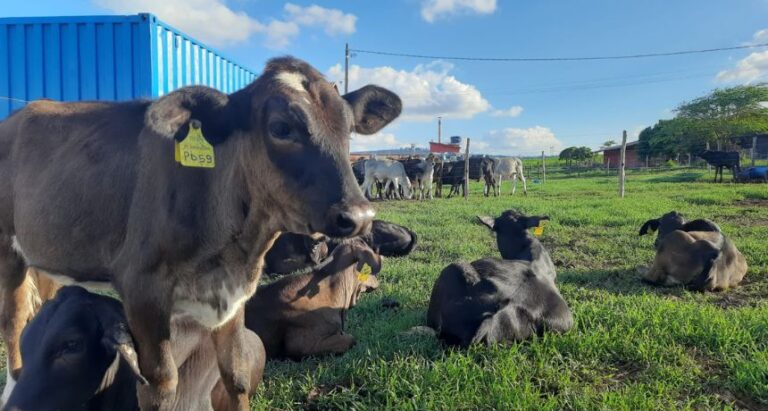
column 292, row 79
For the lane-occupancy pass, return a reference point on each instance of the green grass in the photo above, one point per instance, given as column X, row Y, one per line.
column 633, row 346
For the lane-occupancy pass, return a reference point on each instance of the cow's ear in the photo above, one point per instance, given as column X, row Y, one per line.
column 487, row 221
column 535, row 221
column 373, row 108
column 653, row 225
column 701, row 225
column 118, row 340
column 170, row 115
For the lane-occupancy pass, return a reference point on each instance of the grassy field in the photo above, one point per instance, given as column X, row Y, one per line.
column 633, row 346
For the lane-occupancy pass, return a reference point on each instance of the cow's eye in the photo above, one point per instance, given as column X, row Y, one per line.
column 70, row 347
column 280, row 129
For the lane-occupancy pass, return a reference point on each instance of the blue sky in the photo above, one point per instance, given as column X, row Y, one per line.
column 515, row 108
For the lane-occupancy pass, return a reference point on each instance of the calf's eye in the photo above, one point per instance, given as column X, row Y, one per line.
column 70, row 347
column 280, row 129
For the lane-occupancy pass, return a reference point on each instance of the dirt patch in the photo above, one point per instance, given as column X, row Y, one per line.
column 627, row 372
column 751, row 293
column 749, row 202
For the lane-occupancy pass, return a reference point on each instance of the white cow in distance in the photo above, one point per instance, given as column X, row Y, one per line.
column 511, row 167
column 389, row 172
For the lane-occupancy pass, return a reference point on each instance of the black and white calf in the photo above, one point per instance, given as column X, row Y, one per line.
column 496, row 300
column 78, row 354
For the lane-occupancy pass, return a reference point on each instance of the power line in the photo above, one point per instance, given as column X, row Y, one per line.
column 589, row 58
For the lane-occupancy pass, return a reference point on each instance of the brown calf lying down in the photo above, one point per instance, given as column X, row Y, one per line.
column 695, row 254
column 302, row 315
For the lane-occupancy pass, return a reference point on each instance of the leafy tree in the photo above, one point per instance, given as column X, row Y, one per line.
column 608, row 144
column 716, row 117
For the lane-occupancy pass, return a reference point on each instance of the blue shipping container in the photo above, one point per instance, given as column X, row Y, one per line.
column 105, row 58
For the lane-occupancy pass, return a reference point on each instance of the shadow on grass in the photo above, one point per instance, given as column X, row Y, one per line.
column 686, row 177
column 620, row 281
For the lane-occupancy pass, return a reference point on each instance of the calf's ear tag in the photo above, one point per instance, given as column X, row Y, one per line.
column 364, row 273
column 194, row 150
column 540, row 229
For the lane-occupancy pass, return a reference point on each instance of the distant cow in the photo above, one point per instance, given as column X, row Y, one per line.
column 511, row 168
column 421, row 172
column 722, row 159
column 91, row 193
column 298, row 252
column 500, row 300
column 302, row 315
column 695, row 254
column 390, row 173
column 78, row 354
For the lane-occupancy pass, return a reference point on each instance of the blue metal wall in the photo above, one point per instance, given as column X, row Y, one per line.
column 104, row 58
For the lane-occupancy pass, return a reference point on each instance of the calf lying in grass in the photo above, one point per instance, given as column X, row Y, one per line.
column 303, row 314
column 695, row 254
column 496, row 300
column 79, row 355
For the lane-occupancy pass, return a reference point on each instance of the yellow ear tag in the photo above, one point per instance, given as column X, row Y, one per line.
column 194, row 150
column 364, row 273
column 540, row 229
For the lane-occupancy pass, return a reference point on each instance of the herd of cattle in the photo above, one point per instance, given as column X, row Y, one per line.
column 91, row 196
column 404, row 179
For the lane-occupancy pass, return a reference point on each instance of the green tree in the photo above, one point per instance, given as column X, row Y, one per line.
column 608, row 144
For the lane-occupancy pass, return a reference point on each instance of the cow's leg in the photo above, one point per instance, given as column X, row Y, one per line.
column 17, row 299
column 498, row 187
column 514, row 183
column 149, row 317
column 233, row 355
column 302, row 342
column 525, row 187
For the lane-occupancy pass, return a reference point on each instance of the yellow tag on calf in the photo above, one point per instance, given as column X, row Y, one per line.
column 365, row 272
column 176, row 151
column 540, row 229
column 194, row 150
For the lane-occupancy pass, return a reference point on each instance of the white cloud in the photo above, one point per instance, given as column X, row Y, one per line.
column 513, row 111
column 208, row 20
column 522, row 141
column 427, row 91
column 750, row 68
column 747, row 70
column 432, row 10
column 375, row 141
column 213, row 22
column 332, row 21
column 280, row 34
column 760, row 37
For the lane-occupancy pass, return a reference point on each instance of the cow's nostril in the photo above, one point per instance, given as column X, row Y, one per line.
column 346, row 223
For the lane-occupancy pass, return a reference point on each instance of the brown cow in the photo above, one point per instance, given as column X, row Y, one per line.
column 303, row 315
column 695, row 254
column 90, row 193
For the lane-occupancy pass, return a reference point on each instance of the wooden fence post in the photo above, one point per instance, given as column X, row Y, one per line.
column 752, row 150
column 543, row 168
column 608, row 167
column 622, row 161
column 709, row 167
column 466, row 172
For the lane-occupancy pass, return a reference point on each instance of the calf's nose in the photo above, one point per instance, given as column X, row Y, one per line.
column 349, row 220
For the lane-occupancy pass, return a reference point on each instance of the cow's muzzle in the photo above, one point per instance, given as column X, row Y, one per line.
column 349, row 220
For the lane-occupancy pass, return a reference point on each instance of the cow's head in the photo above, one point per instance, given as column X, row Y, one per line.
column 511, row 230
column 289, row 133
column 72, row 350
column 672, row 221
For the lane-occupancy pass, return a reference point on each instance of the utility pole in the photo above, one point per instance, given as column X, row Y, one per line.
column 466, row 172
column 346, row 68
column 543, row 168
column 439, row 128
